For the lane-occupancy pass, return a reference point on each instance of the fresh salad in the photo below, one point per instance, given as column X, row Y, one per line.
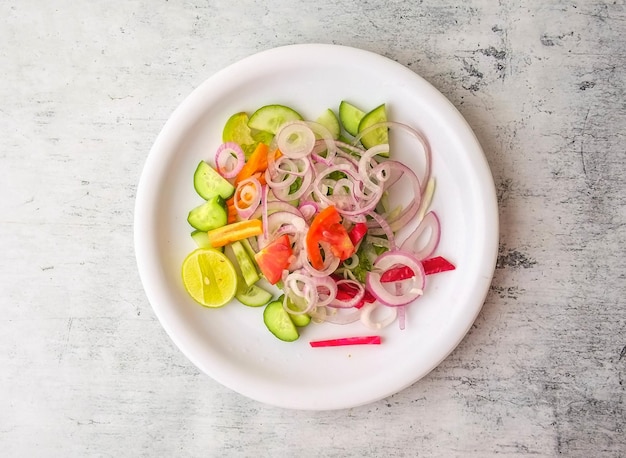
column 305, row 206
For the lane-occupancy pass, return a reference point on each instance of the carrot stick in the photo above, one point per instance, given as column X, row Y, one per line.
column 234, row 231
column 256, row 163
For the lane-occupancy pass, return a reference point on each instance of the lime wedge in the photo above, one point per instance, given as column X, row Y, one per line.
column 209, row 277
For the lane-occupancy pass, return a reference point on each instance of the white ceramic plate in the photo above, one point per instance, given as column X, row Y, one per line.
column 231, row 344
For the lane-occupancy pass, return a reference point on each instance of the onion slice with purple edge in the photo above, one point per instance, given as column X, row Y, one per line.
column 276, row 221
column 368, row 309
column 429, row 227
column 405, row 291
column 352, row 302
column 249, row 193
column 224, row 157
column 295, row 139
column 415, row 134
column 409, row 212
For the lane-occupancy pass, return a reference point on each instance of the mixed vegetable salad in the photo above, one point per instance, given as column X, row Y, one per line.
column 305, row 206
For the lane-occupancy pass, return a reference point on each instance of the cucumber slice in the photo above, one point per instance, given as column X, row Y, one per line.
column 246, row 266
column 210, row 215
column 377, row 136
column 209, row 183
column 350, row 117
column 278, row 321
column 202, row 240
column 329, row 120
column 248, row 247
column 253, row 295
column 270, row 117
column 300, row 319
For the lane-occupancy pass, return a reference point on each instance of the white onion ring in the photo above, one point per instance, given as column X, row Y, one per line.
column 369, row 308
column 335, row 315
column 415, row 134
column 278, row 220
column 430, row 221
column 331, row 262
column 299, row 147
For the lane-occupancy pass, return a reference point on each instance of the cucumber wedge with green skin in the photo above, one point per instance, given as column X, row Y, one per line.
column 208, row 183
column 279, row 323
column 246, row 266
column 270, row 117
column 299, row 319
column 253, row 295
column 350, row 117
column 329, row 120
column 210, row 215
column 248, row 247
column 377, row 136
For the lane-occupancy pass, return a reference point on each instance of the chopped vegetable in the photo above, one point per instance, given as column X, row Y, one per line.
column 365, row 340
column 295, row 201
column 233, row 232
column 274, row 258
column 326, row 227
column 357, row 233
column 436, row 265
column 256, row 163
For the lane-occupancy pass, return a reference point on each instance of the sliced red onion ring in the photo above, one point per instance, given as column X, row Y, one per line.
column 331, row 262
column 278, row 220
column 305, row 297
column 408, row 213
column 428, row 232
column 401, row 296
column 347, row 146
column 266, row 190
column 226, row 154
column 335, row 315
column 275, row 206
column 415, row 134
column 295, row 139
column 369, row 308
column 249, row 193
column 386, row 229
column 308, row 209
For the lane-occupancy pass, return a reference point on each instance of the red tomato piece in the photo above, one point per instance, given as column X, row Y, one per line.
column 326, row 227
column 274, row 258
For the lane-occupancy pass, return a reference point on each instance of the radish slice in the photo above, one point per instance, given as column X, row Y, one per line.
column 396, row 293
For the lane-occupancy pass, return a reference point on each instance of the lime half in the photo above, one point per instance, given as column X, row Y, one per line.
column 209, row 277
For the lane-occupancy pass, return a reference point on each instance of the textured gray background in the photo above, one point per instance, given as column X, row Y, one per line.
column 85, row 367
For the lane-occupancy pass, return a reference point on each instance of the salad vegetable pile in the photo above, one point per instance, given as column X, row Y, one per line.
column 305, row 206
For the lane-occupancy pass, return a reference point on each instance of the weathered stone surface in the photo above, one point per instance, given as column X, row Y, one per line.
column 86, row 369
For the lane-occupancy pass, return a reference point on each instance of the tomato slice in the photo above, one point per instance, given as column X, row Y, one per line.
column 326, row 227
column 274, row 258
